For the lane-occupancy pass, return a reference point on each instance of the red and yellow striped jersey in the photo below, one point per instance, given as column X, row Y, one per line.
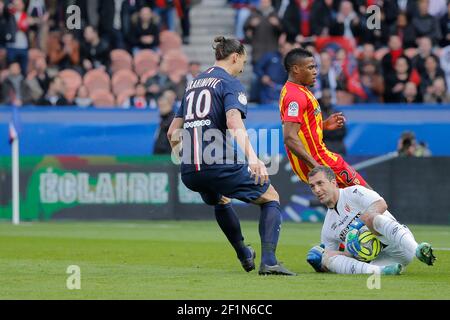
column 298, row 104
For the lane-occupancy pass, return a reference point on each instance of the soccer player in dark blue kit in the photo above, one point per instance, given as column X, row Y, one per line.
column 212, row 112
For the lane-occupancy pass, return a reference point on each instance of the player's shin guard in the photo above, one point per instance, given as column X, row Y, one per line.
column 395, row 233
column 269, row 231
column 344, row 265
column 229, row 223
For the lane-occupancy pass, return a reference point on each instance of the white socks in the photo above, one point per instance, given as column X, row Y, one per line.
column 395, row 233
column 344, row 265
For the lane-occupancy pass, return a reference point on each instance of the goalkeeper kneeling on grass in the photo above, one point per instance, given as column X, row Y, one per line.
column 359, row 235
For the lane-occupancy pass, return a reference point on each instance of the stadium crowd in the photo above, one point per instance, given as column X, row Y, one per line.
column 128, row 53
column 399, row 53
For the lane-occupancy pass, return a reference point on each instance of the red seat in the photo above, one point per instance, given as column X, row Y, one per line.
column 145, row 61
column 121, row 59
column 176, row 62
column 72, row 81
column 97, row 79
column 123, row 80
column 103, row 99
column 169, row 40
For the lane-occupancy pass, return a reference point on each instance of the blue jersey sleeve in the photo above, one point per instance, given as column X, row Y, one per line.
column 234, row 97
column 180, row 112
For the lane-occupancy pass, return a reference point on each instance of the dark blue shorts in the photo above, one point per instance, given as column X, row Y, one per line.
column 232, row 182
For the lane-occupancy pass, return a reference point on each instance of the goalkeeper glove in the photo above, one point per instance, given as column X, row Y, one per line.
column 352, row 242
column 356, row 224
column 314, row 257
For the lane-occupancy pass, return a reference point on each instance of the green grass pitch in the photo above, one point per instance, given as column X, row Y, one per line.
column 189, row 260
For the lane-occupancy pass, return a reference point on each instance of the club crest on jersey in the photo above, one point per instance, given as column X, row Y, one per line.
column 347, row 208
column 293, row 109
column 242, row 98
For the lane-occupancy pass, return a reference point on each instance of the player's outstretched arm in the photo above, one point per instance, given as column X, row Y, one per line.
column 295, row 145
column 237, row 129
column 335, row 121
column 173, row 134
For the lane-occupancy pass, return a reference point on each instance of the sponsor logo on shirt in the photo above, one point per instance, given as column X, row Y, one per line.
column 293, row 109
column 347, row 208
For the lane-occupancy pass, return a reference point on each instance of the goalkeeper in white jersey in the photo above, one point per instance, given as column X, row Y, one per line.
column 351, row 208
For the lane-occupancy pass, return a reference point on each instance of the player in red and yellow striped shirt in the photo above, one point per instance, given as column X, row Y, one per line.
column 303, row 125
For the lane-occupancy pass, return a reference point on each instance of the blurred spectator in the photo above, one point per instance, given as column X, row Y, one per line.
column 82, row 98
column 322, row 17
column 38, row 80
column 404, row 30
column 437, row 8
column 94, row 51
column 165, row 105
column 243, row 9
column 183, row 8
column 445, row 64
column 432, row 72
column 393, row 8
column 115, row 22
column 390, row 58
column 395, row 82
column 437, row 93
column 289, row 15
column 305, row 19
column 178, row 85
column 334, row 140
column 367, row 55
column 407, row 146
column 139, row 100
column 7, row 30
column 18, row 46
column 37, row 12
column 445, row 27
column 14, row 86
column 262, row 30
column 159, row 83
column 372, row 82
column 347, row 22
column 272, row 74
column 166, row 11
column 327, row 77
column 424, row 50
column 64, row 54
column 55, row 94
column 194, row 71
column 145, row 33
column 425, row 24
column 410, row 93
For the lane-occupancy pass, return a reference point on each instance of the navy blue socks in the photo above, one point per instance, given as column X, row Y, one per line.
column 229, row 223
column 269, row 231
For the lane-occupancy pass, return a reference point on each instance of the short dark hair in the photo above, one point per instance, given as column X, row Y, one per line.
column 327, row 170
column 225, row 47
column 294, row 55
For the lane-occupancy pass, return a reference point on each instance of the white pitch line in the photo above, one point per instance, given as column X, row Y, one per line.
column 442, row 249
